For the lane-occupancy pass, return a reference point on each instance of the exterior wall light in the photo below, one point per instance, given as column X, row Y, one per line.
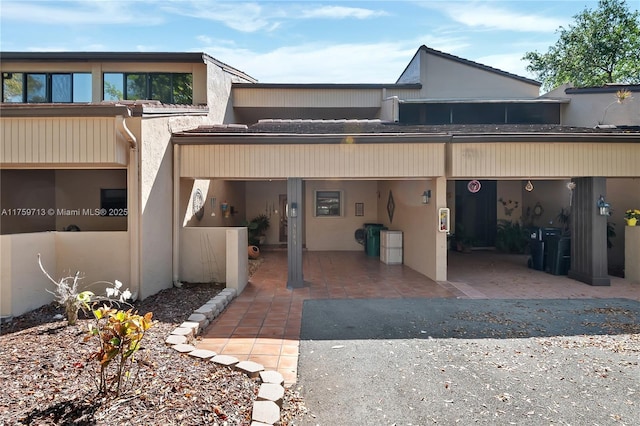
column 426, row 196
column 604, row 207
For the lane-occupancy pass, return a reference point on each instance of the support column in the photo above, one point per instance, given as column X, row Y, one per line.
column 294, row 214
column 589, row 233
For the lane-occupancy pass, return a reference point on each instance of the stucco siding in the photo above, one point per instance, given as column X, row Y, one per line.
column 347, row 160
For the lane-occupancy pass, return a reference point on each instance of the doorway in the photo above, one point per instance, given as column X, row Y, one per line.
column 477, row 211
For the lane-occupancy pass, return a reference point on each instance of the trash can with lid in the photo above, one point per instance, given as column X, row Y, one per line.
column 372, row 240
column 558, row 255
column 539, row 245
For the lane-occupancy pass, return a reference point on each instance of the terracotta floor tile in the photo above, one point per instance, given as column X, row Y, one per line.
column 234, row 349
column 289, row 350
column 271, row 332
column 246, row 331
column 269, row 362
column 266, row 349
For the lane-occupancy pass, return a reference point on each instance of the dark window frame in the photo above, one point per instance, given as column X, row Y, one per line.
column 48, row 89
column 149, row 78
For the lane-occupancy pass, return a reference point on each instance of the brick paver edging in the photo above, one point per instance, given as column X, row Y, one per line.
column 266, row 409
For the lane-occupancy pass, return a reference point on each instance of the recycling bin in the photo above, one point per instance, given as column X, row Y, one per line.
column 372, row 239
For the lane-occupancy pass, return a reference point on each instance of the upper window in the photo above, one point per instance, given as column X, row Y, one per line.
column 479, row 113
column 328, row 203
column 168, row 88
column 46, row 87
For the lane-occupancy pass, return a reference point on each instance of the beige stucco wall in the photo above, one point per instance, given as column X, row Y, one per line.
column 444, row 78
column 80, row 189
column 511, row 194
column 622, row 194
column 337, row 233
column 588, row 110
column 632, row 253
column 97, row 255
column 233, row 192
column 553, row 195
column 424, row 247
column 30, row 189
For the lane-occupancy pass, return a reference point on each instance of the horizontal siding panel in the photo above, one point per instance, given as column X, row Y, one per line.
column 57, row 141
column 312, row 161
column 306, row 98
column 525, row 160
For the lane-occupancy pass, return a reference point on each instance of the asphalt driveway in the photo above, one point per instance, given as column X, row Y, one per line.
column 446, row 361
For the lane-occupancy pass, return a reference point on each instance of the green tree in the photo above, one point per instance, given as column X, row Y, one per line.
column 602, row 46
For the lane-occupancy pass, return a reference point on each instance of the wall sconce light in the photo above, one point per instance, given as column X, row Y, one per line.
column 603, row 206
column 426, row 196
column 294, row 210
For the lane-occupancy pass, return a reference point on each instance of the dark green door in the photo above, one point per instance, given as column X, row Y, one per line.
column 477, row 212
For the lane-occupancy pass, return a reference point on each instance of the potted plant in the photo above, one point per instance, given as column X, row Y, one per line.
column 257, row 228
column 632, row 216
column 462, row 241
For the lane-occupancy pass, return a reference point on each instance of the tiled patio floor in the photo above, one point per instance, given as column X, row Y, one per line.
column 263, row 323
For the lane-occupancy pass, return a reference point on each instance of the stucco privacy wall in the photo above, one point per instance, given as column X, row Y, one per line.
column 337, row 233
column 99, row 256
column 203, row 254
column 23, row 284
column 423, row 244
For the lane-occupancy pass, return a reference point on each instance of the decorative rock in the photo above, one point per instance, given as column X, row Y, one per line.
column 232, row 291
column 226, row 360
column 202, row 353
column 272, row 377
column 184, row 348
column 258, row 424
column 175, row 340
column 180, row 331
column 266, row 412
column 220, row 303
column 199, row 318
column 206, row 310
column 250, row 368
column 194, row 325
column 271, row 392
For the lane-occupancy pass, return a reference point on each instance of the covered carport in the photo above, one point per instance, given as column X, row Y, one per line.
column 402, row 165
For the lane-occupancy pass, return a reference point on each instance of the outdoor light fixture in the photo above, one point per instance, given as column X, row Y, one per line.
column 603, row 206
column 426, row 196
column 294, row 210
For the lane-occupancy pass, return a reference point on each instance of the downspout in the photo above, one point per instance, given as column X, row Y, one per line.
column 133, row 206
column 176, row 214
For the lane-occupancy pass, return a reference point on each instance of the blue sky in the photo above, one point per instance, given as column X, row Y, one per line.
column 296, row 42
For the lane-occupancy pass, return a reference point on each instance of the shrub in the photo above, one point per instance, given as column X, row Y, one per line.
column 119, row 334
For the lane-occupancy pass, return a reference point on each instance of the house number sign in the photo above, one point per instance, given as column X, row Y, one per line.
column 474, row 186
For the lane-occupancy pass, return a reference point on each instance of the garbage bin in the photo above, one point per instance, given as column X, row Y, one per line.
column 372, row 240
column 539, row 245
column 558, row 256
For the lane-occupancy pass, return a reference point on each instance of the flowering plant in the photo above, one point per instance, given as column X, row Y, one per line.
column 632, row 214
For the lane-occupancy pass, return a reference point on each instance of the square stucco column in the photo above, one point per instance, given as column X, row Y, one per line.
column 589, row 233
column 237, row 259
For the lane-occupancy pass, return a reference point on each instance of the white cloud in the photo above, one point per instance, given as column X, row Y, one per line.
column 341, row 12
column 315, row 63
column 74, row 13
column 489, row 16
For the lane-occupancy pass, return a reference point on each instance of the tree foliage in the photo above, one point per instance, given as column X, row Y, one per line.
column 602, row 46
